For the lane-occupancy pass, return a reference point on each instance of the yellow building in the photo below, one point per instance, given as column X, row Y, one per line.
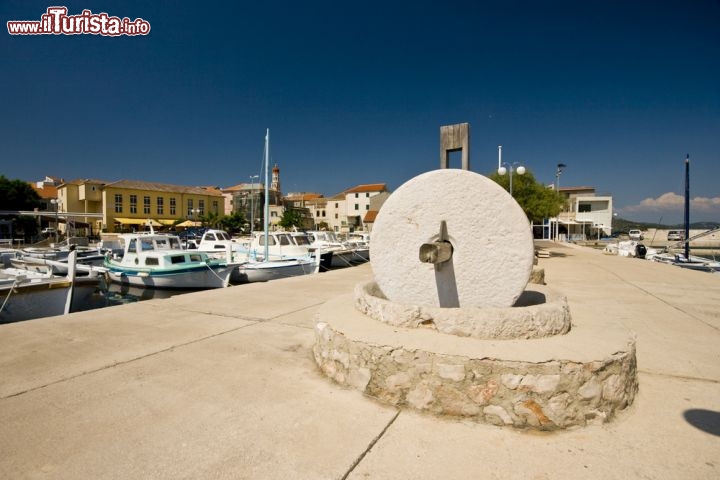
column 130, row 204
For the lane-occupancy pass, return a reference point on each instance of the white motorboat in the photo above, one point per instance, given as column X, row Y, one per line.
column 26, row 295
column 343, row 254
column 157, row 260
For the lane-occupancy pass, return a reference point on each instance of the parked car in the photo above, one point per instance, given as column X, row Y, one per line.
column 635, row 235
column 48, row 231
column 676, row 235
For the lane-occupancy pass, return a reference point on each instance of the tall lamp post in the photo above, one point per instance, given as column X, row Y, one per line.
column 193, row 213
column 252, row 202
column 56, row 202
column 505, row 168
column 558, row 172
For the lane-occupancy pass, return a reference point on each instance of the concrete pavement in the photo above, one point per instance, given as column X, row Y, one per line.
column 222, row 384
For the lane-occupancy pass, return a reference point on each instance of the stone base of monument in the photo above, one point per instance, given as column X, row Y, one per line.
column 451, row 326
column 584, row 376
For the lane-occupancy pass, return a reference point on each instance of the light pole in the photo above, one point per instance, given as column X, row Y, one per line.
column 56, row 202
column 558, row 172
column 505, row 167
column 252, row 202
column 193, row 213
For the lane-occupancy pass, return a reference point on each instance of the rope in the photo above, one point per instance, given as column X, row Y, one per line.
column 10, row 291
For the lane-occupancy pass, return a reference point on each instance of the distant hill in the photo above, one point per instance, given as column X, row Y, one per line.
column 622, row 225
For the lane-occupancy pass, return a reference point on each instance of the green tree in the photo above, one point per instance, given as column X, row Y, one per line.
column 17, row 195
column 234, row 222
column 291, row 218
column 211, row 219
column 536, row 200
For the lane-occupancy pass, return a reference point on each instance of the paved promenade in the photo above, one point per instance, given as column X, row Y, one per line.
column 222, row 385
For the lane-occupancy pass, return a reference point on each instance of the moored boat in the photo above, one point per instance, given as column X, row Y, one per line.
column 157, row 260
column 27, row 295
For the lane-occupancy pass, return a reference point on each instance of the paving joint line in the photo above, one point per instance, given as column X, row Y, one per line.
column 658, row 298
column 125, row 362
column 370, row 446
column 679, row 377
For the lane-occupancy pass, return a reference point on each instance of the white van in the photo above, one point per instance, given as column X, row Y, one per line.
column 635, row 235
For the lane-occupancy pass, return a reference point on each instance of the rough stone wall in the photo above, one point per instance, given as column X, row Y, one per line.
column 546, row 396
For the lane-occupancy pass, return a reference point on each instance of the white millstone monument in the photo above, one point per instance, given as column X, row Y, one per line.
column 450, row 325
column 492, row 244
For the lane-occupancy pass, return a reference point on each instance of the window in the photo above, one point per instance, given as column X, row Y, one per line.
column 201, row 207
column 133, row 203
column 585, row 207
column 356, row 195
column 367, row 195
column 146, row 205
column 190, row 206
column 172, row 206
column 357, row 207
column 336, row 216
column 160, row 206
column 336, row 205
column 323, row 213
column 367, row 207
column 215, row 206
column 151, row 261
column 118, row 203
column 177, row 259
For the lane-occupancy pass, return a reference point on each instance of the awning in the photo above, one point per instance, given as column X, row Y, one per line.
column 189, row 223
column 137, row 221
column 167, row 221
column 569, row 222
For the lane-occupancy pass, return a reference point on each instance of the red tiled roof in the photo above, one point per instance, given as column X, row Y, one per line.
column 47, row 191
column 370, row 216
column 370, row 187
column 162, row 187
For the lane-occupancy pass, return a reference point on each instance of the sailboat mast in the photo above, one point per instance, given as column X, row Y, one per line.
column 687, row 206
column 267, row 193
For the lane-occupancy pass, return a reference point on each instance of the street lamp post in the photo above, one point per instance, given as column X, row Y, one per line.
column 505, row 168
column 252, row 202
column 558, row 172
column 56, row 202
column 194, row 213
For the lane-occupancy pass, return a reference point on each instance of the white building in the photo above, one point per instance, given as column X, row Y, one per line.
column 585, row 214
column 346, row 211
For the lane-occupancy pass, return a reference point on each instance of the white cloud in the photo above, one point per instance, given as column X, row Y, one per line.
column 672, row 202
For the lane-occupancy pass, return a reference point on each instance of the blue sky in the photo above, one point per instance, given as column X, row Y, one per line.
column 355, row 92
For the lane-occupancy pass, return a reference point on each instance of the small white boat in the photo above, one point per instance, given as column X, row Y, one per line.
column 343, row 254
column 264, row 271
column 288, row 259
column 157, row 260
column 26, row 295
column 692, row 262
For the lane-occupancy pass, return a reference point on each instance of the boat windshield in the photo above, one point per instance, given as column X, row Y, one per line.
column 301, row 240
column 271, row 240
